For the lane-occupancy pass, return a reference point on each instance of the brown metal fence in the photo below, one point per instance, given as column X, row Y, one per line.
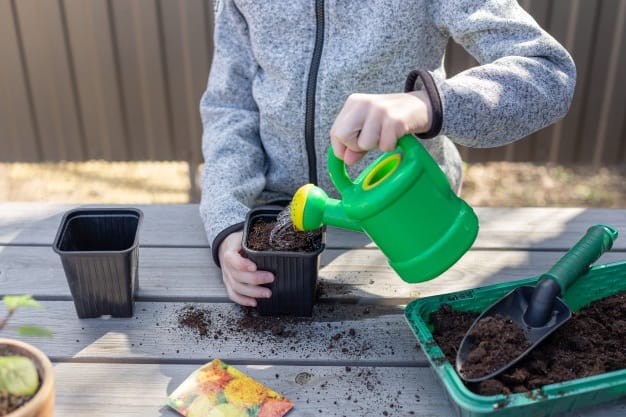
column 121, row 80
column 102, row 79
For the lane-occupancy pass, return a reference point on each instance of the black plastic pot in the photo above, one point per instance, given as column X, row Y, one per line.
column 99, row 252
column 295, row 273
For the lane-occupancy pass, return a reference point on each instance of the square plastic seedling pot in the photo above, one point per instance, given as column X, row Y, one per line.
column 99, row 252
column 601, row 281
column 295, row 273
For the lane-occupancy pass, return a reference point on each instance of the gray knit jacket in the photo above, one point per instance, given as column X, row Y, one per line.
column 282, row 70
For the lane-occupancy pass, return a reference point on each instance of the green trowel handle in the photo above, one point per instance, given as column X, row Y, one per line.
column 576, row 261
column 337, row 167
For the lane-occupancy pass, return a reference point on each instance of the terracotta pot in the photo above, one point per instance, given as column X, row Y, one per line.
column 42, row 404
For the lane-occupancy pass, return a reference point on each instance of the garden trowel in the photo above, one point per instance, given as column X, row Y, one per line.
column 537, row 310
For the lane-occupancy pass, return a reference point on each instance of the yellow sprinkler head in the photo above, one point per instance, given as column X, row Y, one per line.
column 307, row 207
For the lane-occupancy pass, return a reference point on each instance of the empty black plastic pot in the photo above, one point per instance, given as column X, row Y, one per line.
column 99, row 252
column 295, row 273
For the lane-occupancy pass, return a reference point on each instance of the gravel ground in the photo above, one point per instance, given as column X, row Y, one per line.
column 491, row 184
column 531, row 185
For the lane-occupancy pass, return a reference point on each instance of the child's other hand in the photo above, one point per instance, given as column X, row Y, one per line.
column 241, row 278
column 370, row 121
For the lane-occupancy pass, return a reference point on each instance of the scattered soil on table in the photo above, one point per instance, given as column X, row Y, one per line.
column 286, row 332
column 196, row 319
column 493, row 342
column 280, row 235
column 590, row 343
column 327, row 333
column 244, row 327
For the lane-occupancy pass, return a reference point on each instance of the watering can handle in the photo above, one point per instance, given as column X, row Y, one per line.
column 337, row 167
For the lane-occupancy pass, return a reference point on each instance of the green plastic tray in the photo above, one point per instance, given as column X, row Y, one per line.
column 601, row 281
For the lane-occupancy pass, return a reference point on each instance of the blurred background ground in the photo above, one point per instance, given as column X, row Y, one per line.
column 503, row 184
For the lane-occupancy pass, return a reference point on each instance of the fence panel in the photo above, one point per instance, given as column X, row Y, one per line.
column 122, row 79
column 593, row 131
column 19, row 137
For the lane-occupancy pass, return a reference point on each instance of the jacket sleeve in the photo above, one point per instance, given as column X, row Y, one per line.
column 525, row 80
column 234, row 161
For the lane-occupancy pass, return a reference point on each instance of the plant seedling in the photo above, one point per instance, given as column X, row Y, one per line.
column 18, row 374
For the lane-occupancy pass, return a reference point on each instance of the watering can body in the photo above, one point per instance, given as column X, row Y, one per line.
column 403, row 202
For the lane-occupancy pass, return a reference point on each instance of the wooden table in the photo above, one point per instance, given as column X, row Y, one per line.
column 355, row 357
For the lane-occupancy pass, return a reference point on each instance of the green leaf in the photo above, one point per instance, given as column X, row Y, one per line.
column 15, row 301
column 18, row 375
column 34, row 331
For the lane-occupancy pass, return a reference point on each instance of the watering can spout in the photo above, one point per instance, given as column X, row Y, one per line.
column 311, row 208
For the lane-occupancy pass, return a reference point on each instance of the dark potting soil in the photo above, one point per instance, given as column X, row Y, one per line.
column 494, row 341
column 289, row 240
column 10, row 402
column 590, row 343
column 250, row 327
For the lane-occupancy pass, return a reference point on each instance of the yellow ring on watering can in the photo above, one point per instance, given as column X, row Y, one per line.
column 370, row 182
column 298, row 202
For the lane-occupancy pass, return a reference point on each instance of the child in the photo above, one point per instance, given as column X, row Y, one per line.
column 288, row 76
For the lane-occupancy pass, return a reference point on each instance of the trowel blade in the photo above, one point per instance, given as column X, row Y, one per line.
column 513, row 306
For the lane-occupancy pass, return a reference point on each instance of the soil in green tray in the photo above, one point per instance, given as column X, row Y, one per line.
column 590, row 343
column 493, row 342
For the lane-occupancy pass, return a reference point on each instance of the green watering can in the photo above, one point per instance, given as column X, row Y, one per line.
column 403, row 202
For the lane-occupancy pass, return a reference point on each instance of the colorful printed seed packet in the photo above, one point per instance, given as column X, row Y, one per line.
column 219, row 390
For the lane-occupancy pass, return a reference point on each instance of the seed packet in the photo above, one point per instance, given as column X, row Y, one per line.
column 220, row 390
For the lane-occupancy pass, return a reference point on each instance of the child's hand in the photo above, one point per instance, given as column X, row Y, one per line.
column 370, row 121
column 241, row 278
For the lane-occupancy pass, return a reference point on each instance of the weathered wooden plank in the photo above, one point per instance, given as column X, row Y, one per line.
column 141, row 390
column 352, row 276
column 180, row 225
column 542, row 228
column 335, row 334
column 164, row 225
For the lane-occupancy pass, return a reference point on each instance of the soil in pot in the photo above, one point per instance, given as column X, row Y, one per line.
column 280, row 235
column 590, row 343
column 10, row 402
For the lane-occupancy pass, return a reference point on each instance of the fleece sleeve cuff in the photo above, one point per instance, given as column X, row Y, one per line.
column 428, row 83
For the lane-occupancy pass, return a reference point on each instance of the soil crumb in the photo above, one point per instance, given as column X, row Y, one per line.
column 196, row 319
column 493, row 342
column 246, row 326
column 590, row 343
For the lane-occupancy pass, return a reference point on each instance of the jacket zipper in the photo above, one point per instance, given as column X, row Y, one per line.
column 311, row 88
